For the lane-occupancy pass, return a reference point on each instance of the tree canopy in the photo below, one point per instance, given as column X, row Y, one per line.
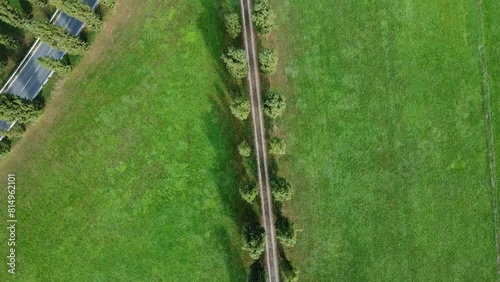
column 249, row 191
column 257, row 272
column 240, row 108
column 236, row 62
column 281, row 189
column 274, row 106
column 253, row 239
column 263, row 17
column 53, row 64
column 285, row 231
column 233, row 25
column 268, row 61
column 13, row 107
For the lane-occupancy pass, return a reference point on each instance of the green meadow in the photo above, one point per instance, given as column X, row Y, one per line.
column 131, row 173
column 387, row 141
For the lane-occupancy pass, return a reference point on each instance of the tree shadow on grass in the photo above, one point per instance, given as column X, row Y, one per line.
column 234, row 262
column 227, row 173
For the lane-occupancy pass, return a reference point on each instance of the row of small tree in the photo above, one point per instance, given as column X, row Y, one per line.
column 264, row 19
column 253, row 234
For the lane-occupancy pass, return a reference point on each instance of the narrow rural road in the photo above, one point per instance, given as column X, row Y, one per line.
column 266, row 200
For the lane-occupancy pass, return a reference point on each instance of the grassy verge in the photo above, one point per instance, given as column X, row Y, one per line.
column 130, row 174
column 385, row 126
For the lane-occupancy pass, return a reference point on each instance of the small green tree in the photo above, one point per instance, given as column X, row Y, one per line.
column 16, row 131
column 253, row 239
column 13, row 107
column 9, row 15
column 244, row 149
column 236, row 62
column 263, row 17
column 277, row 146
column 274, row 106
column 257, row 272
column 107, row 3
column 233, row 25
column 9, row 42
column 80, row 10
column 240, row 108
column 281, row 189
column 249, row 191
column 4, row 147
column 268, row 61
column 285, row 231
column 56, row 65
column 288, row 272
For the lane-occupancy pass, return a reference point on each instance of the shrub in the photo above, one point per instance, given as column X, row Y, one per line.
column 80, row 10
column 274, row 106
column 281, row 189
column 257, row 272
column 288, row 272
column 55, row 65
column 13, row 107
column 9, row 42
column 268, row 61
column 4, row 147
column 9, row 15
column 244, row 149
column 240, row 108
column 254, row 237
column 39, row 3
column 249, row 192
column 233, row 25
column 285, row 231
column 236, row 62
column 263, row 17
column 277, row 146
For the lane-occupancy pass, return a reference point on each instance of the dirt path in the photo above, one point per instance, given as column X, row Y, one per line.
column 260, row 141
column 489, row 135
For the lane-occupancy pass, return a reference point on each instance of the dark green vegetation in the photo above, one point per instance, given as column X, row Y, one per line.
column 233, row 25
column 58, row 66
column 135, row 175
column 385, row 122
column 274, row 106
column 263, row 17
column 81, row 11
column 13, row 107
column 277, row 146
column 254, row 239
column 240, row 107
column 236, row 62
column 268, row 61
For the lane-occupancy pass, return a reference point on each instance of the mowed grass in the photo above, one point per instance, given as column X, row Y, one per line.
column 130, row 175
column 386, row 132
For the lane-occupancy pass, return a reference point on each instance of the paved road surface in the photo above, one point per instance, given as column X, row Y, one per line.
column 32, row 76
column 266, row 200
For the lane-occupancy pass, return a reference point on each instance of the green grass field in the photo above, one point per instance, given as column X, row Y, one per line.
column 131, row 173
column 386, row 132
